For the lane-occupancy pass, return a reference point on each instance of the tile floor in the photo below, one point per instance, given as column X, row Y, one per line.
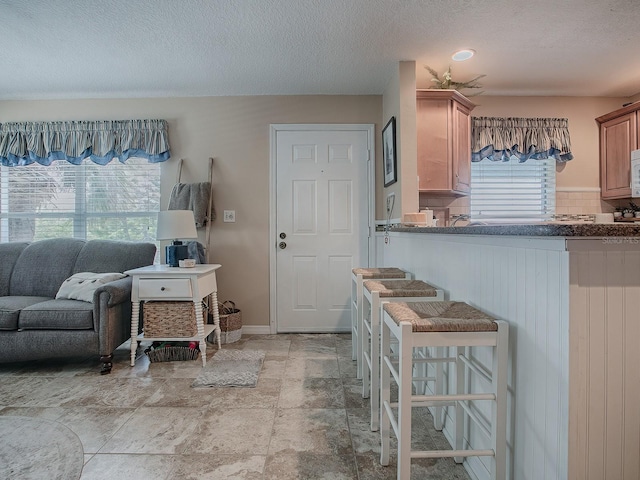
column 306, row 418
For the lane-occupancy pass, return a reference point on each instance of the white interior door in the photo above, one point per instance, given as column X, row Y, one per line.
column 322, row 225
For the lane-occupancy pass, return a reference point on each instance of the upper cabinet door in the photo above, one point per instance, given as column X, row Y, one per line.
column 444, row 142
column 461, row 160
column 618, row 137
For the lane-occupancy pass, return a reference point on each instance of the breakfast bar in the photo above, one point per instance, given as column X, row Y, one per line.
column 571, row 294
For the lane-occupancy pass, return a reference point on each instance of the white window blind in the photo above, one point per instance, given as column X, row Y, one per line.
column 512, row 191
column 88, row 201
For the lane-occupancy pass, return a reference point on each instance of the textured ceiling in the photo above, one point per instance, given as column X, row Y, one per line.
column 155, row 48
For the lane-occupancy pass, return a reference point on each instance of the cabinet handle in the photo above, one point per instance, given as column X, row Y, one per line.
column 162, row 289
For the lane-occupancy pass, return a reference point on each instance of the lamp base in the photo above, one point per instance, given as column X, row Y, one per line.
column 175, row 253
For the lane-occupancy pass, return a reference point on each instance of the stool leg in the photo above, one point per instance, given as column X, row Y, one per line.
column 459, row 412
column 404, row 402
column 499, row 407
column 439, row 387
column 385, row 393
column 375, row 363
column 359, row 328
column 354, row 319
column 367, row 309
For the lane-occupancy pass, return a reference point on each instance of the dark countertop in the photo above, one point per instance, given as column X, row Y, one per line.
column 534, row 230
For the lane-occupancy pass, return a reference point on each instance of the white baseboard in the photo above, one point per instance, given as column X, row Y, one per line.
column 256, row 329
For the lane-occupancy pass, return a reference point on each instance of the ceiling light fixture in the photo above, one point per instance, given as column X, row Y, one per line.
column 462, row 55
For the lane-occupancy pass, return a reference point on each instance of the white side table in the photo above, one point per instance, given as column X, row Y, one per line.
column 165, row 283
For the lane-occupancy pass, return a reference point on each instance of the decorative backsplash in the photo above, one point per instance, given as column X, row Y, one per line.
column 567, row 217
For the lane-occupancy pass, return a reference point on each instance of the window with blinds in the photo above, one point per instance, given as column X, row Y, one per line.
column 512, row 191
column 88, row 201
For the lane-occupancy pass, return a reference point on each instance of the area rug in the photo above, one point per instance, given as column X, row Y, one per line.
column 231, row 368
column 34, row 448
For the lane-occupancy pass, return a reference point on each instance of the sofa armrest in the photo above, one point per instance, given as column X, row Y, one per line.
column 112, row 314
column 116, row 292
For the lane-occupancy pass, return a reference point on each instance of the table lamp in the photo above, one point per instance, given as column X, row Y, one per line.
column 174, row 225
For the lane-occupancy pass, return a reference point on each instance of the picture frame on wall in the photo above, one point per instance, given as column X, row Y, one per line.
column 389, row 163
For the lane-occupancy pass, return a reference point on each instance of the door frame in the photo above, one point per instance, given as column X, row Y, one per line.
column 370, row 195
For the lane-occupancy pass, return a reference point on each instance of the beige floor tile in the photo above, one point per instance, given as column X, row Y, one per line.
column 155, row 430
column 218, row 466
column 93, row 425
column 317, row 430
column 348, row 368
column 141, row 467
column 47, row 413
column 273, row 367
column 113, row 391
column 309, row 347
column 312, row 368
column 305, row 419
column 264, row 395
column 353, row 393
column 272, row 348
column 310, row 466
column 177, row 392
column 311, row 393
column 232, row 431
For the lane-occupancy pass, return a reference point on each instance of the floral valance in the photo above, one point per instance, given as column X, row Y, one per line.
column 23, row 143
column 499, row 139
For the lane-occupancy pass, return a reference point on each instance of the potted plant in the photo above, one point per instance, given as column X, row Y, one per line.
column 630, row 211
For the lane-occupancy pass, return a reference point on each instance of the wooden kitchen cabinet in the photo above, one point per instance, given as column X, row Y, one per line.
column 444, row 142
column 618, row 137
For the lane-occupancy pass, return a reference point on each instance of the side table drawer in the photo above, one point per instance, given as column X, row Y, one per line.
column 165, row 288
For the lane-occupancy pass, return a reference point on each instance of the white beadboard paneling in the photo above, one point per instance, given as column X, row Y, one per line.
column 631, row 369
column 574, row 311
column 605, row 390
column 521, row 281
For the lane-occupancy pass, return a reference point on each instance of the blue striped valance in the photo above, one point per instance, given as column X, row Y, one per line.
column 499, row 139
column 23, row 143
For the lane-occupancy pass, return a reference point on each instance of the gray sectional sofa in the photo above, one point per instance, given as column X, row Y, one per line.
column 36, row 325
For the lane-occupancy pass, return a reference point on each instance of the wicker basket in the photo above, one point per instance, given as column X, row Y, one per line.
column 169, row 319
column 230, row 323
column 171, row 353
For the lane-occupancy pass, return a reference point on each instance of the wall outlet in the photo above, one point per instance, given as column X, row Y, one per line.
column 229, row 216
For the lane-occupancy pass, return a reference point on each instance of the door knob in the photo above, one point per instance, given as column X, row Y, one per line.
column 283, row 235
column 282, row 245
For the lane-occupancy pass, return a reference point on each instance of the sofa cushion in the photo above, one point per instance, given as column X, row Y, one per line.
column 10, row 310
column 43, row 266
column 57, row 315
column 81, row 286
column 9, row 253
column 101, row 256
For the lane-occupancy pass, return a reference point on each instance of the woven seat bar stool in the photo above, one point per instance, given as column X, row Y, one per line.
column 374, row 293
column 444, row 324
column 358, row 275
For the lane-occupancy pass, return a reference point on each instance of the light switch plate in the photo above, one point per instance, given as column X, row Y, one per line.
column 229, row 216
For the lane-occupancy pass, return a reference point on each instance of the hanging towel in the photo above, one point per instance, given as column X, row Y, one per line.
column 196, row 251
column 195, row 197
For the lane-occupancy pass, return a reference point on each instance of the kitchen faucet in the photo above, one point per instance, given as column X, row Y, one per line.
column 458, row 218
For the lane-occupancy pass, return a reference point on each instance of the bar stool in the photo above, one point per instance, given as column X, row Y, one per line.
column 374, row 293
column 358, row 275
column 444, row 324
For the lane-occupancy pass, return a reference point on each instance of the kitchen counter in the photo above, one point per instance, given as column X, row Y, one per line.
column 534, row 230
column 571, row 295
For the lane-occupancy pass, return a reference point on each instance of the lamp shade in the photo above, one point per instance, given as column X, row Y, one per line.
column 175, row 224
